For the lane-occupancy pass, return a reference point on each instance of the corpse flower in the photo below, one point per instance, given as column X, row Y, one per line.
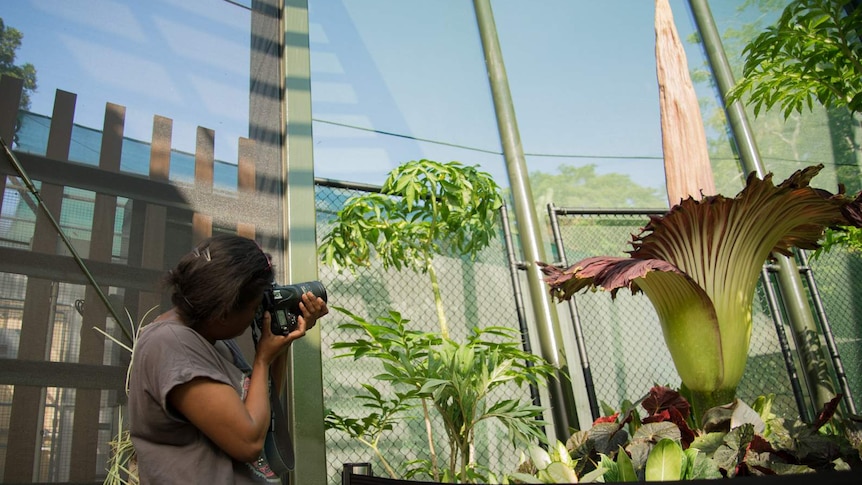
column 699, row 265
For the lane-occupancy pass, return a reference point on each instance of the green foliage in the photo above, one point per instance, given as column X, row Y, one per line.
column 665, row 462
column 849, row 238
column 735, row 440
column 813, row 53
column 457, row 380
column 582, row 187
column 425, row 208
column 370, row 428
column 546, row 466
column 10, row 41
column 122, row 463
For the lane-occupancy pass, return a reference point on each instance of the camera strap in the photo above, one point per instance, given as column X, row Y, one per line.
column 278, row 445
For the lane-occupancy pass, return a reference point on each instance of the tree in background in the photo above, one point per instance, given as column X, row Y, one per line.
column 786, row 143
column 813, row 53
column 582, row 187
column 10, row 41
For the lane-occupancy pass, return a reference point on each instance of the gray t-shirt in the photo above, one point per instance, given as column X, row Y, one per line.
column 169, row 448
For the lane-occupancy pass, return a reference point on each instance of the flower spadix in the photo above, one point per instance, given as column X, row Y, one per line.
column 699, row 264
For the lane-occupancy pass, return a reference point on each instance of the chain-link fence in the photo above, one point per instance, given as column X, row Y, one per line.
column 840, row 299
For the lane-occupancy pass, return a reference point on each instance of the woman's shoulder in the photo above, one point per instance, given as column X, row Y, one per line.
column 164, row 328
column 168, row 335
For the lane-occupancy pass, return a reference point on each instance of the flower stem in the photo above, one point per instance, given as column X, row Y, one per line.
column 702, row 401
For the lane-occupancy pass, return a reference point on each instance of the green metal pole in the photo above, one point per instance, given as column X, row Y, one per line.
column 305, row 378
column 805, row 329
column 562, row 404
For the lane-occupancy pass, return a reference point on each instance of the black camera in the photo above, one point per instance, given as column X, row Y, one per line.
column 282, row 303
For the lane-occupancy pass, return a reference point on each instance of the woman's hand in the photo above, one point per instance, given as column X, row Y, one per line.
column 270, row 345
column 312, row 308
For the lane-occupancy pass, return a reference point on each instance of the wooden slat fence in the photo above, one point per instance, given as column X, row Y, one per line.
column 162, row 220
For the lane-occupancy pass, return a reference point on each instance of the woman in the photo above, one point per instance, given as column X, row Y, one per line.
column 194, row 416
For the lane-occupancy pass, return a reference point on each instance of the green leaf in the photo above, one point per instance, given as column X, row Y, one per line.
column 607, row 437
column 525, row 477
column 611, row 469
column 664, row 462
column 709, row 442
column 593, row 476
column 560, row 473
column 561, row 453
column 699, row 466
column 654, row 432
column 625, row 469
column 732, row 451
column 539, row 456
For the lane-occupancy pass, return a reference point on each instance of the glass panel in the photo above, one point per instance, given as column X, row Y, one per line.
column 788, row 144
column 394, row 81
column 185, row 60
column 583, row 81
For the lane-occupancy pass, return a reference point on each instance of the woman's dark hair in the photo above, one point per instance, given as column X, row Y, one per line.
column 222, row 274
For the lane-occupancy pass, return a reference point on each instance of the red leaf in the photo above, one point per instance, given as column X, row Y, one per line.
column 661, row 398
column 608, row 272
column 607, row 419
column 827, row 412
column 759, row 444
column 658, row 417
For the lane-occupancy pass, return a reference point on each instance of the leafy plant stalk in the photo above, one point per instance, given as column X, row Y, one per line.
column 424, row 209
column 438, row 298
column 368, row 431
column 457, row 378
column 427, row 209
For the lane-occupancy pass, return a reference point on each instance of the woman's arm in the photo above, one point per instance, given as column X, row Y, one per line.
column 239, row 427
column 215, row 408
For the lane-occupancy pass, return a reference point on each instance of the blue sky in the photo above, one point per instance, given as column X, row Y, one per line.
column 581, row 74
